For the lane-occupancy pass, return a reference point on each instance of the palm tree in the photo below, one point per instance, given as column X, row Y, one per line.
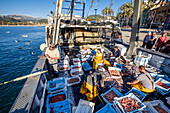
column 103, row 12
column 127, row 10
column 110, row 12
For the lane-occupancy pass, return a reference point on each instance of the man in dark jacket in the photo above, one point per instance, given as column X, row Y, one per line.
column 117, row 53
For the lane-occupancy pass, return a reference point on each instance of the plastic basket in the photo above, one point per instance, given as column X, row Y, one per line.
column 76, row 70
column 74, row 82
column 164, row 82
column 86, row 66
column 63, row 106
column 60, row 84
column 76, row 65
column 117, row 69
column 62, row 66
column 48, row 98
column 85, row 107
column 118, row 65
column 131, row 95
column 76, row 61
column 107, row 109
column 136, row 90
column 157, row 103
column 114, row 90
column 157, row 76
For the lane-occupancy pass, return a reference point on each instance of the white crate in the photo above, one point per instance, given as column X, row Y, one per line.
column 85, row 107
column 76, row 70
column 156, row 103
column 72, row 83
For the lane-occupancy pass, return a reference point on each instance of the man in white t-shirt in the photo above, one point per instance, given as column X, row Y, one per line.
column 52, row 54
column 143, row 82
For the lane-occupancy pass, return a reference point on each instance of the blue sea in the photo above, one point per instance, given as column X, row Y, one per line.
column 16, row 43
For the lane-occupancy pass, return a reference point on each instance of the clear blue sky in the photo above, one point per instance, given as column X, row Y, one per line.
column 41, row 8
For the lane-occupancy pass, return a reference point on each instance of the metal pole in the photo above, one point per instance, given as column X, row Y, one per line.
column 55, row 25
column 135, row 28
column 83, row 10
column 95, row 14
column 57, row 21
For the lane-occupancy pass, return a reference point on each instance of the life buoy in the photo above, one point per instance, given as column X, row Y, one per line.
column 116, row 35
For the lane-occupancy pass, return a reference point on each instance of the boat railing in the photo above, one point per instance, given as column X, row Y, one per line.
column 31, row 96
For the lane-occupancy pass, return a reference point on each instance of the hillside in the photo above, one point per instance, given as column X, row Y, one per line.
column 20, row 19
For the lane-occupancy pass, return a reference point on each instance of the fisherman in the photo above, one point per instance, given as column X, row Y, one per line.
column 52, row 54
column 98, row 58
column 92, row 82
column 117, row 53
column 143, row 82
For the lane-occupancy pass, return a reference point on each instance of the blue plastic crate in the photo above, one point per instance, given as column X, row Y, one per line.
column 114, row 90
column 157, row 76
column 163, row 81
column 63, row 106
column 60, row 84
column 107, row 109
column 120, row 65
column 162, row 92
column 136, row 90
column 48, row 97
column 130, row 95
column 86, row 64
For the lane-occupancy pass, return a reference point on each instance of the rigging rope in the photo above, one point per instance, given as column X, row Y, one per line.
column 91, row 7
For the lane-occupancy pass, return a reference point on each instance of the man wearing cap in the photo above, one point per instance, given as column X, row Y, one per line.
column 52, row 54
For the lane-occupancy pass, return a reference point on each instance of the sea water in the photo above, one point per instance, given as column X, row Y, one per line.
column 19, row 50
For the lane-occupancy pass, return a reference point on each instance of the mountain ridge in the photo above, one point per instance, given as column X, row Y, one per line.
column 22, row 18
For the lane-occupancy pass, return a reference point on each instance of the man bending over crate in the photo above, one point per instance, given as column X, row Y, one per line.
column 143, row 82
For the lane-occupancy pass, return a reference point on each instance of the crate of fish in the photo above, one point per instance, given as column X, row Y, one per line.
column 162, row 84
column 114, row 72
column 76, row 72
column 157, row 106
column 83, row 60
column 85, row 107
column 118, row 65
column 137, row 93
column 72, row 80
column 63, row 67
column 156, row 76
column 129, row 103
column 107, row 109
column 76, row 66
column 55, row 98
column 58, row 83
column 60, row 107
column 109, row 96
column 76, row 61
column 88, row 57
column 86, row 66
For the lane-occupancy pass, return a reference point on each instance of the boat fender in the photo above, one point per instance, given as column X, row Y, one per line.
column 116, row 35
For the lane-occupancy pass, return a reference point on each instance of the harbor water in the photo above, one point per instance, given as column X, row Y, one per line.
column 19, row 49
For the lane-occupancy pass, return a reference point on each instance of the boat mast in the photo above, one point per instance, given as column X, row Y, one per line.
column 72, row 7
column 57, row 21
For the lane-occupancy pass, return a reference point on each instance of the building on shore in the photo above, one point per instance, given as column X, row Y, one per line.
column 159, row 16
